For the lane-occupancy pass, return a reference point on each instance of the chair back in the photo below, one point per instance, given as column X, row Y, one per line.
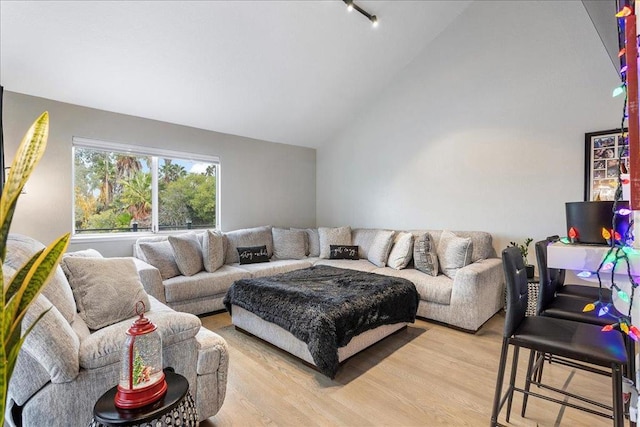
column 551, row 279
column 515, row 274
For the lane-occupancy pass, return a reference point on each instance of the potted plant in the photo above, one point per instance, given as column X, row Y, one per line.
column 25, row 286
column 524, row 251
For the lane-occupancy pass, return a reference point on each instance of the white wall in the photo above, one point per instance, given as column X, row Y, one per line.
column 484, row 130
column 261, row 182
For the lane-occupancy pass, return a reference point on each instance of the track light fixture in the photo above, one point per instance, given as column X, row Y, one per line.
column 351, row 5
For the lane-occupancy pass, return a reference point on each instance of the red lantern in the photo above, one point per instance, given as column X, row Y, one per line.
column 141, row 377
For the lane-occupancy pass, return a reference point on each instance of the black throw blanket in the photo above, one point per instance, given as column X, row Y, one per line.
column 326, row 306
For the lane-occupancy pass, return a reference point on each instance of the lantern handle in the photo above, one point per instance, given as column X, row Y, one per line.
column 140, row 312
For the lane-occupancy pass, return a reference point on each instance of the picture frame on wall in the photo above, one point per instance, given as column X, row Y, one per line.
column 604, row 151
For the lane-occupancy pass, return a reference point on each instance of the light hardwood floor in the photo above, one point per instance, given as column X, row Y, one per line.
column 426, row 375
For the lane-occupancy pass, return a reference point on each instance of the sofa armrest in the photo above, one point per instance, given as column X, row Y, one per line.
column 151, row 280
column 478, row 289
column 212, row 369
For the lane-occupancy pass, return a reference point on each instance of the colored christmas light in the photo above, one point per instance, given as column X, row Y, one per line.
column 624, row 327
column 589, row 307
column 565, row 241
column 632, row 336
column 584, row 274
column 618, row 91
column 573, row 233
column 606, row 234
column 623, row 296
column 603, row 311
column 623, row 70
column 625, row 11
column 607, row 328
column 623, row 212
column 607, row 266
column 622, row 52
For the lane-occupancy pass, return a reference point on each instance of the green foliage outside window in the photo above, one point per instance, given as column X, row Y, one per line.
column 113, row 191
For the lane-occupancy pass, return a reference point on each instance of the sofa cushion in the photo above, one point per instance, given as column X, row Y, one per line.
column 401, row 251
column 104, row 347
column 256, row 236
column 160, row 255
column 275, row 267
column 343, row 252
column 203, row 284
column 453, row 252
column 187, row 252
column 253, row 254
column 435, row 289
column 289, row 244
column 333, row 236
column 360, row 265
column 106, row 289
column 213, row 250
column 425, row 257
column 378, row 252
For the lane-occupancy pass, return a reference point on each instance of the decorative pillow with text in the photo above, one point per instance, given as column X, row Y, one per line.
column 343, row 252
column 253, row 254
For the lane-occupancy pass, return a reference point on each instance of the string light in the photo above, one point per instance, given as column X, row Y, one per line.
column 618, row 91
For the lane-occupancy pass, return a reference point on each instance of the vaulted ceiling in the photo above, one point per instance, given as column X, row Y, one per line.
column 294, row 72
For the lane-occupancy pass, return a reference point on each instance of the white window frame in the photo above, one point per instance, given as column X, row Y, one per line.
column 155, row 153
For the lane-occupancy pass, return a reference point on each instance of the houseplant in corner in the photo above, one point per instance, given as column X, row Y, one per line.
column 524, row 251
column 18, row 292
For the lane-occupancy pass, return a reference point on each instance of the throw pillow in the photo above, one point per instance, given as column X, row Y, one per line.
column 160, row 255
column 289, row 244
column 312, row 241
column 333, row 236
column 106, row 290
column 253, row 254
column 380, row 247
column 425, row 256
column 256, row 236
column 213, row 250
column 343, row 252
column 453, row 253
column 187, row 252
column 402, row 251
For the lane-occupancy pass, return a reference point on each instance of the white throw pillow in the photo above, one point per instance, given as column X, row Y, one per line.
column 380, row 247
column 160, row 255
column 402, row 251
column 289, row 244
column 333, row 236
column 106, row 290
column 213, row 250
column 187, row 252
column 453, row 253
column 312, row 241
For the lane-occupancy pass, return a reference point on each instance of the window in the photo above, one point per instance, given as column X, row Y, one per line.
column 121, row 188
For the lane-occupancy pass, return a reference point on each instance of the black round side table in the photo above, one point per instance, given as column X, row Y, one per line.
column 176, row 408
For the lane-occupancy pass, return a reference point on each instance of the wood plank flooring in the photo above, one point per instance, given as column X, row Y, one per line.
column 427, row 375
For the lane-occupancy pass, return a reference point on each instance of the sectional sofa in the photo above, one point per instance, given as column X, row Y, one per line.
column 464, row 296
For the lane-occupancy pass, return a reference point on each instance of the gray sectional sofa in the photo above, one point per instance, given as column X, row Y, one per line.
column 465, row 298
column 64, row 366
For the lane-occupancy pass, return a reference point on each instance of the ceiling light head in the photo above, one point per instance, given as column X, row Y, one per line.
column 374, row 20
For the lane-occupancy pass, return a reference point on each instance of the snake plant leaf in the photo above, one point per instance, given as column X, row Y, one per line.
column 38, row 275
column 29, row 153
column 17, row 280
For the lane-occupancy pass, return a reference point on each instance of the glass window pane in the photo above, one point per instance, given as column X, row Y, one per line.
column 112, row 191
column 186, row 194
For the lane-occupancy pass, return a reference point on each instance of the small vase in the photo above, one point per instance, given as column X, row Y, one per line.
column 531, row 271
